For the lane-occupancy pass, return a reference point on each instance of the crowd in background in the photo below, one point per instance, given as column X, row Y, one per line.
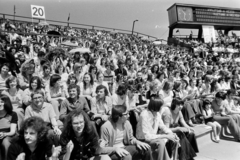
column 129, row 92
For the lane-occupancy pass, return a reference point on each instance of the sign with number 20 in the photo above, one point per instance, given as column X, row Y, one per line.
column 38, row 11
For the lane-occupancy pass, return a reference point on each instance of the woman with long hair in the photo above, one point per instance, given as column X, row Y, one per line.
column 15, row 95
column 79, row 139
column 27, row 71
column 8, row 125
column 33, row 142
column 34, row 85
column 174, row 120
column 88, row 86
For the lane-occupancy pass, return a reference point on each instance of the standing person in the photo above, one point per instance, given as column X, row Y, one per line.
column 118, row 134
column 79, row 139
column 152, row 130
column 8, row 125
column 33, row 143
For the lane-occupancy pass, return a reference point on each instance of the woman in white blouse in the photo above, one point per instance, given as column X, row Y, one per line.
column 152, row 130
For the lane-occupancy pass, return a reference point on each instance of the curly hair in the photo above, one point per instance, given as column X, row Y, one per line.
column 70, row 77
column 37, row 124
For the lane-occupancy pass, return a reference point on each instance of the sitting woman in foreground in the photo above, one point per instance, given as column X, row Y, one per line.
column 173, row 119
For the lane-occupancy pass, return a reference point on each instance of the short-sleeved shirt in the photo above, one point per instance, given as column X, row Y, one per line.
column 46, row 112
column 7, row 120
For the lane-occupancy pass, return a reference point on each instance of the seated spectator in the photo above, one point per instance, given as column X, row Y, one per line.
column 27, row 71
column 152, row 130
column 56, row 92
column 232, row 121
column 208, row 115
column 15, row 95
column 118, row 136
column 34, row 85
column 8, row 125
column 4, row 75
column 174, row 120
column 121, row 69
column 166, row 94
column 73, row 102
column 120, row 97
column 87, row 87
column 101, row 104
column 44, row 110
column 79, row 139
column 33, row 142
column 45, row 77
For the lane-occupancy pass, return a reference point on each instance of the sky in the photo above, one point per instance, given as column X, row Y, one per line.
column 152, row 15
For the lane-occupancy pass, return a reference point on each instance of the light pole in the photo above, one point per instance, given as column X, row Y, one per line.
column 133, row 25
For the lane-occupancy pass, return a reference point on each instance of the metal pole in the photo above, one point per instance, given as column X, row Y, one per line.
column 133, row 25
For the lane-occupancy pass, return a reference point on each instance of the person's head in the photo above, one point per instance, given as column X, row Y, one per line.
column 177, row 85
column 193, row 82
column 33, row 131
column 177, row 104
column 121, row 90
column 119, row 78
column 120, row 64
column 77, row 68
column 5, row 68
column 206, row 104
column 88, row 79
column 160, row 76
column 119, row 114
column 60, row 69
column 155, row 105
column 5, row 104
column 153, row 85
column 77, row 122
column 37, row 98
column 139, row 74
column 155, row 68
column 28, row 68
column 100, row 76
column 73, row 90
column 101, row 91
column 72, row 79
column 47, row 69
column 35, row 83
column 230, row 93
column 55, row 79
column 219, row 97
column 93, row 69
column 184, row 84
column 167, row 86
column 12, row 82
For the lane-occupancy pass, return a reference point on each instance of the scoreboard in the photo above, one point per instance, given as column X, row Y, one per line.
column 191, row 14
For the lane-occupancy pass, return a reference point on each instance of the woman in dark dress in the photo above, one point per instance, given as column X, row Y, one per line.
column 173, row 119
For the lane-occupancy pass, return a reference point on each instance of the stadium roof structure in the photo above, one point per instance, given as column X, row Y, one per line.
column 190, row 16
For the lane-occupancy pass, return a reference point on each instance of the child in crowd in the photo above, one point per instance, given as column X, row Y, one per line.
column 208, row 114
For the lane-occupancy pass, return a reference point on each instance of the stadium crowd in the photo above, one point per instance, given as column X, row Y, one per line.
column 69, row 93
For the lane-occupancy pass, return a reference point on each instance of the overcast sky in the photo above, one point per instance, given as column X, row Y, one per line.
column 152, row 14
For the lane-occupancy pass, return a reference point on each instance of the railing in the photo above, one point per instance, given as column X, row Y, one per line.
column 73, row 25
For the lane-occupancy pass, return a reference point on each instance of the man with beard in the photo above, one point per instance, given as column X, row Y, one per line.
column 72, row 102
